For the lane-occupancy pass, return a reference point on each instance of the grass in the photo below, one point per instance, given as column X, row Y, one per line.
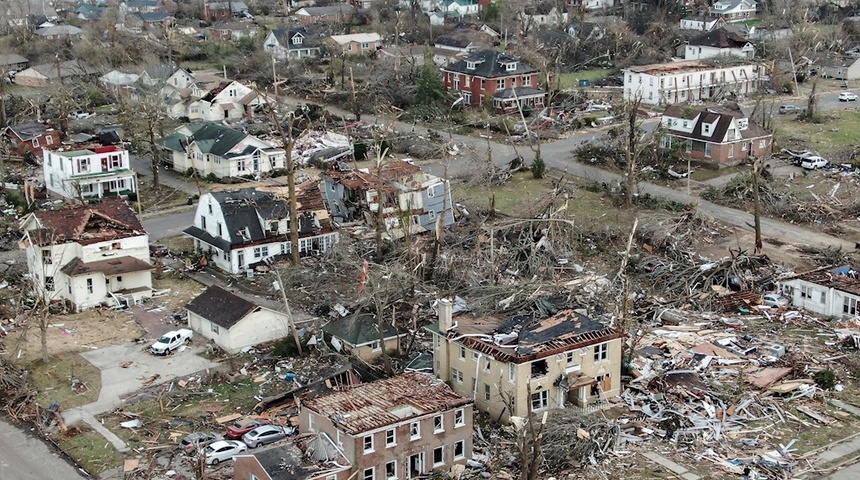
column 54, row 380
column 701, row 174
column 164, row 197
column 838, row 130
column 90, row 450
column 571, row 80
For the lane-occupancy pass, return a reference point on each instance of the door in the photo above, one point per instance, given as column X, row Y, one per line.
column 240, row 259
column 416, row 465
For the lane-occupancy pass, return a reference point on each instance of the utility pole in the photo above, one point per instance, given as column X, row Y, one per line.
column 757, row 213
column 287, row 139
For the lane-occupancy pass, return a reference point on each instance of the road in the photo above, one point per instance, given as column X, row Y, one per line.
column 26, row 457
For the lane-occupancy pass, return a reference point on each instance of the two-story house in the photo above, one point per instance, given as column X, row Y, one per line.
column 409, row 195
column 229, row 100
column 590, row 4
column 213, row 148
column 356, row 43
column 85, row 173
column 701, row 23
column 690, row 80
column 734, row 10
column 291, row 44
column 492, row 74
column 829, row 291
column 30, row 138
column 722, row 135
column 244, row 228
column 399, row 428
column 718, row 42
column 515, row 366
column 89, row 255
column 338, row 13
column 214, row 11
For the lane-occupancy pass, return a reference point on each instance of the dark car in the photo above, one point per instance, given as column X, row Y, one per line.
column 244, row 425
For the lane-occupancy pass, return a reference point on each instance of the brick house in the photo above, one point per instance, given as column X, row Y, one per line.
column 341, row 13
column 214, row 11
column 400, row 427
column 722, row 135
column 30, row 138
column 514, row 366
column 734, row 10
column 493, row 74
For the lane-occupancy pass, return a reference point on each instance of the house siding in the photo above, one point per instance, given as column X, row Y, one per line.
column 260, row 326
column 471, row 84
column 683, row 84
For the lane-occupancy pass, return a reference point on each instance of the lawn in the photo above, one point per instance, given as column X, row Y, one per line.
column 838, row 130
column 571, row 80
column 55, row 381
column 90, row 450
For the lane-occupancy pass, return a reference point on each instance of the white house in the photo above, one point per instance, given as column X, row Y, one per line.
column 718, row 42
column 591, row 4
column 212, row 148
column 734, row 10
column 245, row 228
column 290, row 44
column 828, row 291
column 92, row 172
column 544, row 13
column 357, row 43
column 89, row 255
column 702, row 23
column 690, row 80
column 229, row 100
column 233, row 322
column 460, row 7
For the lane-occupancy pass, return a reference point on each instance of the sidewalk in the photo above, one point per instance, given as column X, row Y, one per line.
column 673, row 467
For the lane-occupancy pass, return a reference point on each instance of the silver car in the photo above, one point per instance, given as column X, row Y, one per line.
column 265, row 434
column 774, row 300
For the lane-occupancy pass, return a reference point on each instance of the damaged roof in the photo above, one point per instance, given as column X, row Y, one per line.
column 221, row 306
column 720, row 38
column 109, row 267
column 283, row 462
column 838, row 278
column 359, row 180
column 524, row 338
column 489, row 64
column 109, row 219
column 359, row 329
column 391, row 401
column 720, row 117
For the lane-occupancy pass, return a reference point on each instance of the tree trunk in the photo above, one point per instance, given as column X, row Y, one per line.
column 43, row 332
column 757, row 211
column 153, row 154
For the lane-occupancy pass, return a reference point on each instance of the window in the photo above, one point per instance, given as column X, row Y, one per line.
column 456, row 375
column 368, row 443
column 823, row 296
column 540, row 400
column 601, row 352
column 376, row 346
column 49, row 284
column 298, row 39
column 202, row 222
column 510, row 67
column 365, row 45
column 438, row 424
column 849, row 306
column 258, row 252
column 220, row 231
column 706, row 128
column 36, row 142
column 391, row 470
column 431, row 191
column 459, row 449
column 470, row 65
column 462, row 353
column 436, row 342
column 438, row 456
column 570, row 358
column 89, row 285
column 368, row 474
column 431, row 214
column 467, row 98
column 487, row 394
column 476, row 356
column 707, row 149
column 459, row 417
column 762, row 143
column 512, row 372
column 414, row 430
column 688, row 147
column 49, row 140
column 487, row 364
column 311, row 422
column 500, row 84
column 527, row 80
column 390, row 437
column 214, row 328
column 339, row 438
column 46, row 257
column 483, row 84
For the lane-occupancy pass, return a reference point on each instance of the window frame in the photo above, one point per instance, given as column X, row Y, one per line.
column 367, row 444
column 392, row 434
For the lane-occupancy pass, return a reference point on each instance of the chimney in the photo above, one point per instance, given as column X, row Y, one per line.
column 444, row 310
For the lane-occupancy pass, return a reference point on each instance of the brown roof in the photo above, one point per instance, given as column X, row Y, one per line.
column 369, row 406
column 109, row 219
column 358, row 180
column 109, row 267
column 720, row 38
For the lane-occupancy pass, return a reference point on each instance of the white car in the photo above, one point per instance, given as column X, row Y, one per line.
column 813, row 162
column 774, row 300
column 224, row 450
column 847, row 97
column 171, row 340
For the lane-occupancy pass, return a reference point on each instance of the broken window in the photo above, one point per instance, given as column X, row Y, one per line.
column 601, row 352
column 540, row 400
column 438, row 424
column 339, row 438
column 460, row 449
column 214, row 328
column 456, row 375
column 462, row 353
column 391, row 469
column 368, row 443
column 539, row 368
column 89, row 285
column 49, row 284
column 368, row 474
column 414, row 430
column 46, row 257
column 438, row 456
column 487, row 364
column 849, row 306
column 376, row 346
column 512, row 372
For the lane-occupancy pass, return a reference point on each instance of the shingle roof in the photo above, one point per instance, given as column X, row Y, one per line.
column 109, row 267
column 830, row 277
column 488, row 64
column 29, row 130
column 210, row 137
column 221, row 307
column 369, row 406
column 356, row 37
column 12, row 59
column 109, row 219
column 57, row 30
column 342, row 9
column 720, row 38
column 359, row 329
column 723, row 117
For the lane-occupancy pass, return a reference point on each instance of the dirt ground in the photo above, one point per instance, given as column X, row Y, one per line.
column 103, row 327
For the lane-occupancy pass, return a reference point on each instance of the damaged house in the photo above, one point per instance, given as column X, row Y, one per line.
column 409, row 196
column 526, row 364
column 828, row 291
column 401, row 427
column 92, row 171
column 89, row 255
column 244, row 228
column 359, row 335
column 215, row 149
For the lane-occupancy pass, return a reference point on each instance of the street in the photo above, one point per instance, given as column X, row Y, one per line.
column 26, row 457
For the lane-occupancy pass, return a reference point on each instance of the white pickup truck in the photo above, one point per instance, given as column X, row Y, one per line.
column 170, row 341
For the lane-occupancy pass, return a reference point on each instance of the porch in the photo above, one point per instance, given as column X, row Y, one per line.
column 511, row 100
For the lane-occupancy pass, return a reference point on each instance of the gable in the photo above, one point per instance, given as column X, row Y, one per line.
column 221, row 307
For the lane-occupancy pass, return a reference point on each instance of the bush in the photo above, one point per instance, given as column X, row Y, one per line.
column 538, row 167
column 212, row 178
column 826, row 379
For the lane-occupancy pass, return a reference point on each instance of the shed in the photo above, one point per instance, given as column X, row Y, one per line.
column 358, row 334
column 233, row 322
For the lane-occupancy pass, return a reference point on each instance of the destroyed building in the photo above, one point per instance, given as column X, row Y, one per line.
column 525, row 364
column 358, row 334
column 409, row 195
column 89, row 255
column 829, row 291
column 400, row 427
column 245, row 228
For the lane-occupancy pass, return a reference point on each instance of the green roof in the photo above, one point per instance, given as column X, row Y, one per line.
column 77, row 153
column 210, row 138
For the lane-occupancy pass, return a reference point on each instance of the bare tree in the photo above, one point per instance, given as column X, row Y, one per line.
column 631, row 148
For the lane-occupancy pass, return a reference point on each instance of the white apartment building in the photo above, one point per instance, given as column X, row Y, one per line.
column 687, row 81
column 89, row 172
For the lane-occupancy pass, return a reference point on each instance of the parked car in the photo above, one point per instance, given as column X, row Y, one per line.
column 223, row 450
column 788, row 108
column 811, row 163
column 847, row 97
column 774, row 300
column 170, row 341
column 244, row 425
column 192, row 442
column 265, row 434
